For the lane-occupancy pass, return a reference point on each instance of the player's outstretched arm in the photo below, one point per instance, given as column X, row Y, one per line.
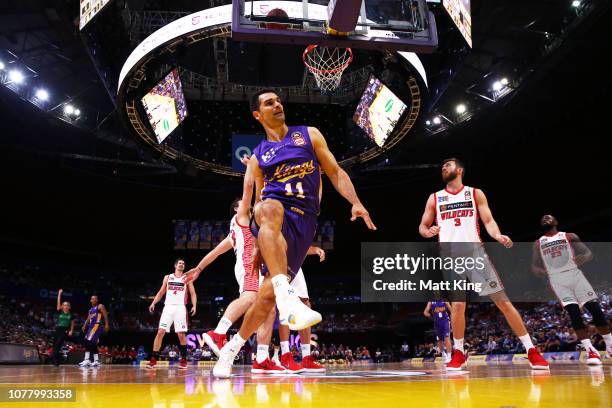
column 427, row 312
column 487, row 219
column 582, row 253
column 59, row 299
column 104, row 312
column 426, row 227
column 161, row 292
column 221, row 248
column 315, row 250
column 338, row 177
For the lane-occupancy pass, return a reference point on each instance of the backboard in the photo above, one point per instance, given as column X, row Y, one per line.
column 400, row 25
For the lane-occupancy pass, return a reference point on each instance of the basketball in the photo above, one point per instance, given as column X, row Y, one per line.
column 277, row 12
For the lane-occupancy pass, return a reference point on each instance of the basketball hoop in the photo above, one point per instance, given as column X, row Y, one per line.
column 327, row 64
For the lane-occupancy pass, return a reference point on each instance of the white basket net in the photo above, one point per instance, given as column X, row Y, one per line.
column 327, row 65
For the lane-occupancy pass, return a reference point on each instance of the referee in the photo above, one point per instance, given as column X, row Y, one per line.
column 65, row 326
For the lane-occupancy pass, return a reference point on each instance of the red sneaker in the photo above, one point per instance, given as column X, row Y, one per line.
column 310, row 365
column 536, row 361
column 266, row 367
column 215, row 341
column 182, row 364
column 290, row 365
column 593, row 357
column 152, row 363
column 457, row 361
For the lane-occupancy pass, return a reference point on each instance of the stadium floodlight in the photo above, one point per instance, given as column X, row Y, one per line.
column 437, row 120
column 15, row 76
column 2, row 65
column 42, row 94
column 428, row 123
column 497, row 86
column 576, row 3
column 504, row 81
column 461, row 108
column 77, row 112
column 68, row 109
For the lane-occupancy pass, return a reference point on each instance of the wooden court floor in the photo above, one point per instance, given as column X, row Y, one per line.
column 385, row 385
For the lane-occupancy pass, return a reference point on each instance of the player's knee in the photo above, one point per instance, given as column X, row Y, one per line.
column 573, row 310
column 269, row 211
column 599, row 319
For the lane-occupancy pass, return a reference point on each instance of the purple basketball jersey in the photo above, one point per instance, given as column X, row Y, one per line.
column 291, row 171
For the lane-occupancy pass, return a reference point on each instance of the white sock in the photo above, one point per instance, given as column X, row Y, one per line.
column 526, row 340
column 458, row 344
column 223, row 325
column 236, row 343
column 586, row 343
column 86, row 356
column 305, row 350
column 282, row 288
column 284, row 347
column 608, row 339
column 95, row 357
column 275, row 355
column 262, row 353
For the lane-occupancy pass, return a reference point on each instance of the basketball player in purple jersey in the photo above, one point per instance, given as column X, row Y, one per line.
column 439, row 311
column 286, row 171
column 96, row 317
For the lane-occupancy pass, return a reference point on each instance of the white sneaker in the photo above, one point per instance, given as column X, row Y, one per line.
column 85, row 364
column 223, row 367
column 295, row 314
column 96, row 364
column 593, row 357
column 608, row 352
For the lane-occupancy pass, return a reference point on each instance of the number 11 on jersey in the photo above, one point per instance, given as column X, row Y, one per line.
column 299, row 188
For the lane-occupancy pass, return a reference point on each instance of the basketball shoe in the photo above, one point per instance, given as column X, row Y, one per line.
column 457, row 361
column 266, row 367
column 310, row 365
column 593, row 357
column 223, row 367
column 215, row 341
column 182, row 364
column 152, row 363
column 295, row 314
column 95, row 364
column 290, row 365
column 536, row 361
column 85, row 364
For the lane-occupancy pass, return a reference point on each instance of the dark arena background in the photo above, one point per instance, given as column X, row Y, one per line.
column 123, row 123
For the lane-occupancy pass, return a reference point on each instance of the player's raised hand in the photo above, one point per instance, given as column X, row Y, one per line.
column 504, row 240
column 432, row 231
column 152, row 308
column 245, row 160
column 191, row 275
column 359, row 211
column 321, row 254
column 193, row 310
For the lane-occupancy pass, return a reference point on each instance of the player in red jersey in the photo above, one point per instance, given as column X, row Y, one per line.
column 456, row 210
column 557, row 256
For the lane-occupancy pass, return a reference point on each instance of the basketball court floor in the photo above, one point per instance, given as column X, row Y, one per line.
column 383, row 385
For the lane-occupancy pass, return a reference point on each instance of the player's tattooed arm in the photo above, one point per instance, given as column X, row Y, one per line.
column 426, row 228
column 537, row 265
column 160, row 293
column 338, row 177
column 427, row 310
column 582, row 253
column 489, row 222
column 105, row 314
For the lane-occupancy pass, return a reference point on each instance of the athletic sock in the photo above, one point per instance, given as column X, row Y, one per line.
column 282, row 288
column 236, row 343
column 284, row 347
column 262, row 353
column 275, row 355
column 608, row 339
column 96, row 357
column 87, row 354
column 183, row 351
column 458, row 344
column 223, row 325
column 526, row 340
column 305, row 350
